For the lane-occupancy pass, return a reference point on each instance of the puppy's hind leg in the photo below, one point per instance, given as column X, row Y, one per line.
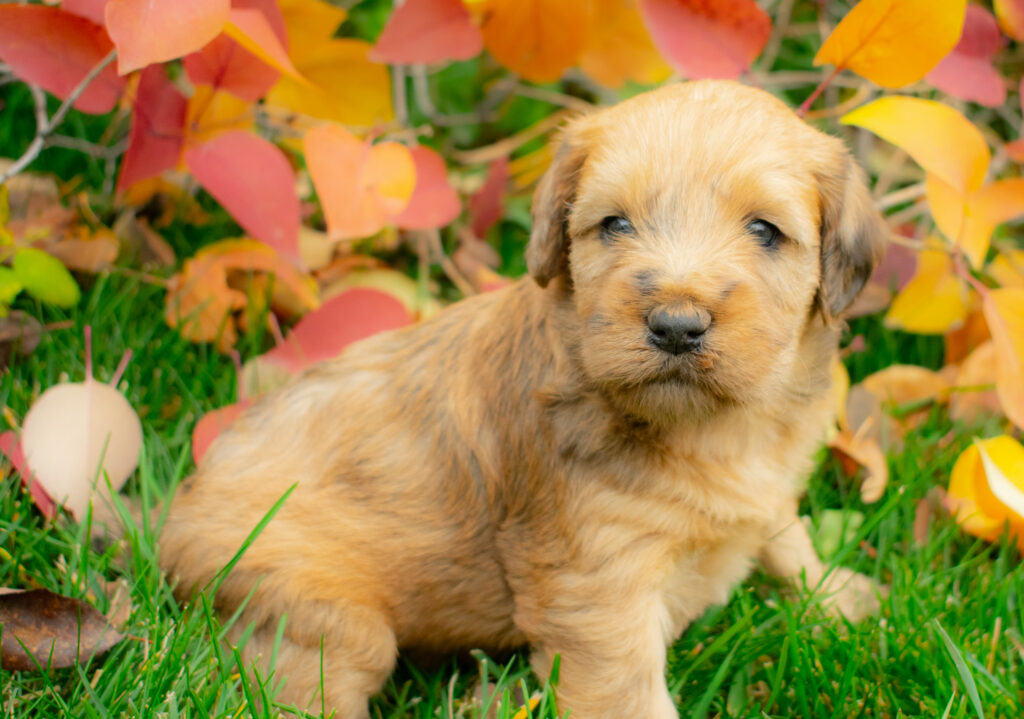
column 331, row 657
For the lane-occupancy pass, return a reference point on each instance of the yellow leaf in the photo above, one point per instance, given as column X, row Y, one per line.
column 344, row 85
column 970, row 222
column 1004, row 312
column 939, row 138
column 1003, row 460
column 536, row 39
column 1008, row 268
column 840, row 389
column 309, row 23
column 894, row 42
column 210, row 112
column 966, row 481
column 934, row 301
column 1011, row 17
column 618, row 47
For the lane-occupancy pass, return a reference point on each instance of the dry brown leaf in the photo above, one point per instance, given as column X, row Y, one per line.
column 864, row 451
column 19, row 332
column 56, row 631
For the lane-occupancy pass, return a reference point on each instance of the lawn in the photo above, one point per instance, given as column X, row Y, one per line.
column 948, row 641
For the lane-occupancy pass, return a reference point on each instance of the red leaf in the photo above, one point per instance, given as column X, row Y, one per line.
column 211, row 425
column 345, row 318
column 485, row 206
column 149, row 31
column 426, row 31
column 11, row 446
column 54, row 49
column 226, row 65
column 967, row 72
column 707, row 38
column 158, row 128
column 434, row 202
column 253, row 180
column 91, row 9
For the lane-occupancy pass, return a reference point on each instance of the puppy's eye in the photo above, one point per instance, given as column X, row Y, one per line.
column 766, row 234
column 616, row 225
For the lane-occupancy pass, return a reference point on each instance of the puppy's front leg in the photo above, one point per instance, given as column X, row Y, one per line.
column 612, row 653
column 790, row 554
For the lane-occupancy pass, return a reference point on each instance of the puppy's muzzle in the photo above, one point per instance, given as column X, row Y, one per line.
column 677, row 332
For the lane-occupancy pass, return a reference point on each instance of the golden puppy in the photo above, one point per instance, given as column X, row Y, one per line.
column 581, row 462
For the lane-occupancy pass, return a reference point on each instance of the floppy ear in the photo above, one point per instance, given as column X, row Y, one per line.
column 548, row 251
column 853, row 236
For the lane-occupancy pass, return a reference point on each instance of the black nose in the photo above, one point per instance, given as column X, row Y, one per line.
column 676, row 333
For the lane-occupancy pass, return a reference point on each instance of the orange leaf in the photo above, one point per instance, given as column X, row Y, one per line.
column 148, row 31
column 1004, row 312
column 935, row 299
column 536, row 39
column 249, row 255
column 940, row 139
column 619, row 47
column 1011, row 17
column 967, row 72
column 428, row 31
column 975, row 393
column 252, row 179
column 894, row 42
column 250, row 28
column 361, row 186
column 54, row 49
column 708, row 39
column 970, row 221
column 199, row 303
column 433, row 203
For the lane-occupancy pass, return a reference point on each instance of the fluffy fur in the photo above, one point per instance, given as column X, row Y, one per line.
column 526, row 468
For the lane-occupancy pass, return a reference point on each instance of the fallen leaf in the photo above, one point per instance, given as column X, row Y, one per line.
column 970, row 220
column 345, row 318
column 937, row 137
column 79, row 436
column 400, row 286
column 45, row 278
column 54, row 49
column 85, row 251
column 974, row 394
column 315, row 248
column 19, row 332
column 136, row 235
column 361, row 186
column 153, row 31
column 536, row 39
column 428, row 31
column 834, row 529
column 708, row 39
column 1004, row 312
column 10, row 446
column 966, row 482
column 866, row 453
column 935, row 299
column 890, row 402
column 157, row 134
column 894, row 42
column 619, row 48
column 1011, row 17
column 967, row 72
column 972, row 334
column 212, row 424
column 199, row 303
column 56, row 631
column 434, row 202
column 487, row 204
column 253, row 180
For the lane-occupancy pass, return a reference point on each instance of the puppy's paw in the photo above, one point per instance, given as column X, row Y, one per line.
column 852, row 595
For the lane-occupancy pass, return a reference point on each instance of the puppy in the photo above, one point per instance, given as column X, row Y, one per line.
column 581, row 462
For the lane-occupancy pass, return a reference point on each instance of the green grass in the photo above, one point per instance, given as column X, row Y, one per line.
column 935, row 648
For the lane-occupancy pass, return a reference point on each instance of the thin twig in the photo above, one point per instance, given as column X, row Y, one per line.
column 898, row 197
column 806, row 104
column 918, row 209
column 44, row 127
column 504, row 147
column 862, row 94
column 433, row 238
column 421, row 91
column 93, row 149
column 398, row 95
column 784, row 14
column 555, row 98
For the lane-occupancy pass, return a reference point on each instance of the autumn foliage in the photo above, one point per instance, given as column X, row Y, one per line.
column 330, row 151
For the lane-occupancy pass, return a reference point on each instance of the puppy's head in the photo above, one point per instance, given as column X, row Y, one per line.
column 701, row 228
